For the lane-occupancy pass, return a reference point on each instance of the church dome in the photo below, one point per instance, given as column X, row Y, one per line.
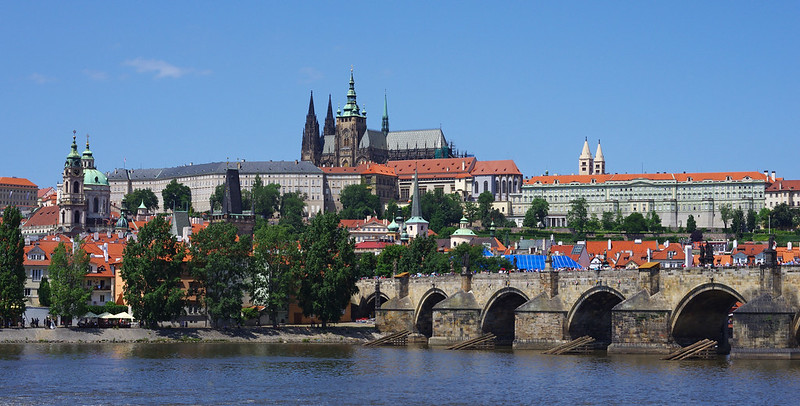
column 94, row 177
column 122, row 223
column 393, row 226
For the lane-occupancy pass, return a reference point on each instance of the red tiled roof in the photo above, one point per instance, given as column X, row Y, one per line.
column 503, row 167
column 12, row 181
column 362, row 169
column 44, row 192
column 432, row 168
column 370, row 245
column 678, row 177
column 45, row 216
column 781, row 185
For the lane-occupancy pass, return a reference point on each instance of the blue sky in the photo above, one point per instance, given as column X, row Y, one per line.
column 666, row 86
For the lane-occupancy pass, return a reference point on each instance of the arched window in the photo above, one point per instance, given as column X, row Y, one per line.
column 504, row 186
column 77, row 219
column 96, row 205
column 76, row 187
column 485, row 186
column 63, row 217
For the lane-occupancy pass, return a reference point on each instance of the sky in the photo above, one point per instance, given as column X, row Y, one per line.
column 665, row 86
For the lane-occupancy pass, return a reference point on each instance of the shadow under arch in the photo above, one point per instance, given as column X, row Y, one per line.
column 498, row 317
column 423, row 314
column 365, row 308
column 591, row 314
column 703, row 313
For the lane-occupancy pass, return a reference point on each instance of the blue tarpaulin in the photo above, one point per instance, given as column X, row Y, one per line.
column 536, row 262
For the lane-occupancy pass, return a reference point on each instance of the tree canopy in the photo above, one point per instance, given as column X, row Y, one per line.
column 12, row 272
column 291, row 208
column 219, row 264
column 634, row 223
column 536, row 213
column 266, row 198
column 440, row 210
column 358, row 202
column 69, row 295
column 691, row 225
column 151, row 269
column 44, row 292
column 132, row 200
column 326, row 274
column 384, row 265
column 577, row 215
column 274, row 252
column 176, row 196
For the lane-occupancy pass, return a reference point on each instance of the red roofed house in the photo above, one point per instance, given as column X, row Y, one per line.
column 450, row 175
column 18, row 192
column 783, row 191
column 43, row 221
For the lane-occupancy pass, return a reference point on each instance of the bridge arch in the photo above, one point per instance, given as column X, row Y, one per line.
column 365, row 308
column 703, row 313
column 497, row 316
column 591, row 314
column 423, row 320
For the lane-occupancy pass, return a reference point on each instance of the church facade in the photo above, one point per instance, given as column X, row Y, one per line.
column 83, row 195
column 346, row 141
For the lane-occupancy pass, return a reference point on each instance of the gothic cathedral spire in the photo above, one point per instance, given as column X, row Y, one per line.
column 330, row 122
column 311, row 150
column 385, row 119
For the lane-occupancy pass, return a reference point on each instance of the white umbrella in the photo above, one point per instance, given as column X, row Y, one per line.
column 105, row 315
column 123, row 315
column 90, row 315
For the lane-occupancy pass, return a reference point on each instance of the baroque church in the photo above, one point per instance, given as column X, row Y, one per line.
column 346, row 141
column 84, row 195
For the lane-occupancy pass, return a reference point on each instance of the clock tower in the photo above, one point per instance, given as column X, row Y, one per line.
column 71, row 202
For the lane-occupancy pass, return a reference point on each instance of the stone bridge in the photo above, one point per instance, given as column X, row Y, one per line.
column 635, row 311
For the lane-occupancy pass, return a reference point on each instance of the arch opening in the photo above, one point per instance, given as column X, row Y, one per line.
column 424, row 323
column 592, row 317
column 499, row 316
column 705, row 314
column 366, row 307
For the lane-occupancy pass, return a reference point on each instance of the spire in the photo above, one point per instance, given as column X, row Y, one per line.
column 73, row 159
column 311, row 148
column 330, row 122
column 415, row 209
column 385, row 119
column 351, row 108
column 311, row 105
column 598, row 156
column 585, row 154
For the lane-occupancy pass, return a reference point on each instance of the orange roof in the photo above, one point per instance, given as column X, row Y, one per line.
column 362, row 169
column 432, row 168
column 503, row 167
column 45, row 192
column 678, row 177
column 45, row 216
column 782, row 185
column 12, row 181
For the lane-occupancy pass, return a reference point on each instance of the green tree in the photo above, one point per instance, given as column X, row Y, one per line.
column 266, row 198
column 420, row 257
column 763, row 217
column 654, row 222
column 593, row 224
column 485, row 201
column 477, row 261
column 635, row 223
column 358, row 202
column 216, row 198
column 151, row 269
column 292, row 205
column 384, row 265
column 726, row 213
column 751, row 220
column 738, row 222
column 607, row 221
column 691, row 225
column 219, row 264
column 44, row 292
column 176, row 195
column 366, row 264
column 132, row 200
column 12, row 272
column 577, row 215
column 274, row 252
column 69, row 296
column 326, row 274
column 247, row 199
column 470, row 211
column 536, row 213
column 782, row 217
column 440, row 210
column 391, row 211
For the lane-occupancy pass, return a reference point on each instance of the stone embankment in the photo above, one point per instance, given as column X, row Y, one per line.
column 335, row 334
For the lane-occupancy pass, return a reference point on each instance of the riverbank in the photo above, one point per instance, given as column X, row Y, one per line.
column 288, row 334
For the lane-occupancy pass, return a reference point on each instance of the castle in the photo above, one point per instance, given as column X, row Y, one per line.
column 346, row 140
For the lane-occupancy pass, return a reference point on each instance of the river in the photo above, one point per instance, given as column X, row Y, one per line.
column 312, row 374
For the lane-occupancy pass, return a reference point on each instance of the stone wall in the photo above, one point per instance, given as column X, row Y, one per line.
column 451, row 326
column 539, row 330
column 640, row 332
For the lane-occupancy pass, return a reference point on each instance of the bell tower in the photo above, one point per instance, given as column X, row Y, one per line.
column 351, row 123
column 585, row 161
column 72, row 214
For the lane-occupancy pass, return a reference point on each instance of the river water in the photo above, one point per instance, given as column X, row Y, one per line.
column 311, row 374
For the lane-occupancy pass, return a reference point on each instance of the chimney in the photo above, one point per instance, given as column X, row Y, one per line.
column 666, row 244
column 609, row 245
column 96, row 236
column 648, row 255
column 108, row 234
column 766, row 174
column 105, row 251
column 688, row 261
column 773, row 176
column 463, row 165
column 789, row 246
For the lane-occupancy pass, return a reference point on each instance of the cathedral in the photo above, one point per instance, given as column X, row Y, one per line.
column 84, row 195
column 346, row 141
column 588, row 165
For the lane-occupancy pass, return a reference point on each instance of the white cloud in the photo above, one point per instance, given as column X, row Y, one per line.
column 95, row 74
column 308, row 75
column 40, row 79
column 162, row 69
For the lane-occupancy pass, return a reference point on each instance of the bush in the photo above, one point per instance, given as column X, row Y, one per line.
column 109, row 307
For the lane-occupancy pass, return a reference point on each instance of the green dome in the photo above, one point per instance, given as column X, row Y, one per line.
column 122, row 224
column 393, row 226
column 464, row 231
column 94, row 177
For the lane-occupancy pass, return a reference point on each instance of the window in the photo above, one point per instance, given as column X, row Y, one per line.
column 27, row 292
column 36, row 275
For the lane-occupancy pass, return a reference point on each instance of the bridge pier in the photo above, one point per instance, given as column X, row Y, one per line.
column 541, row 323
column 764, row 328
column 640, row 325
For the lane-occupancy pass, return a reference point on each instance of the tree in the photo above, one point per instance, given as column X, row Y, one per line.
column 635, row 223
column 607, row 221
column 366, row 264
column 536, row 213
column 219, row 264
column 691, row 225
column 593, row 224
column 151, row 269
column 470, row 211
column 696, row 235
column 751, row 220
column 391, row 211
column 577, row 215
column 738, row 222
column 485, row 201
column 176, row 195
column 420, row 257
column 726, row 213
column 274, row 252
column 44, row 292
column 215, row 201
column 266, row 198
column 654, row 222
column 69, row 296
column 133, row 200
column 358, row 202
column 440, row 210
column 292, row 205
column 247, row 199
column 326, row 274
column 390, row 255
column 782, row 217
column 764, row 217
column 12, row 272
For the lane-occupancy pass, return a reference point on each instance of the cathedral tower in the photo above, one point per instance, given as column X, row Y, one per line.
column 585, row 161
column 311, row 149
column 351, row 123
